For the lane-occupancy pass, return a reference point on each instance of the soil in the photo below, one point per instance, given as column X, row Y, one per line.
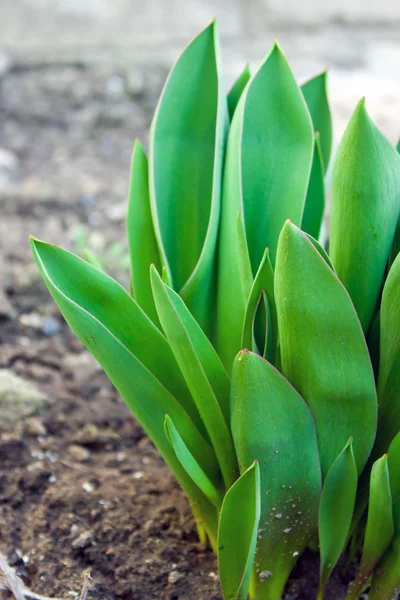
column 81, row 487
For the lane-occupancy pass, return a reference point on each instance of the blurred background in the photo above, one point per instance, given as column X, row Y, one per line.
column 79, row 80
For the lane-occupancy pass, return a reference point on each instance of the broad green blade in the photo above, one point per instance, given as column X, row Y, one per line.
column 315, row 94
column 187, row 143
column 373, row 341
column 107, row 302
column 315, row 199
column 237, row 534
column 336, row 511
column 210, row 362
column 191, row 465
column 187, row 350
column 321, row 250
column 398, row 146
column 394, row 472
column 365, row 209
column 143, row 247
column 237, row 89
column 267, row 167
column 263, row 282
column 287, row 451
column 386, row 580
column 243, row 258
column 389, row 360
column 323, row 349
column 92, row 259
column 134, row 355
column 380, row 527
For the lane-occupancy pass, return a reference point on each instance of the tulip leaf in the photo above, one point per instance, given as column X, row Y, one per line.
column 385, row 583
column 267, row 167
column 187, row 142
column 394, row 472
column 336, row 511
column 320, row 250
column 143, row 247
column 263, row 282
column 365, row 197
column 386, row 580
column 191, row 465
column 134, row 355
column 315, row 200
column 189, row 345
column 389, row 359
column 237, row 89
column 237, row 534
column 245, row 273
column 315, row 94
column 287, row 451
column 380, row 527
column 92, row 259
column 323, row 350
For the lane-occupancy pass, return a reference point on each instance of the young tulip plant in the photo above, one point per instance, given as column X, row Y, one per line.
column 265, row 370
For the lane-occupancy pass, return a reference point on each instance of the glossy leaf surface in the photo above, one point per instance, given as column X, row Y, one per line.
column 187, row 351
column 315, row 199
column 263, row 282
column 366, row 198
column 132, row 353
column 237, row 534
column 143, row 247
column 336, row 510
column 191, row 465
column 187, row 142
column 236, row 90
column 267, row 167
column 315, row 94
column 380, row 527
column 323, row 350
column 290, row 473
column 389, row 359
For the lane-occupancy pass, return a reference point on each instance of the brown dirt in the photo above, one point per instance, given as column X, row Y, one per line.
column 81, row 487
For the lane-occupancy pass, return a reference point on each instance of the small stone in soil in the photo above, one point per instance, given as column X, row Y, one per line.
column 175, row 576
column 84, row 540
column 79, row 453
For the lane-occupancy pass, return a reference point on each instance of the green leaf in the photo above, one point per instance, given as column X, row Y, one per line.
column 189, row 346
column 187, row 143
column 315, row 200
column 263, row 282
column 365, row 209
column 315, row 94
column 386, row 580
column 134, row 355
column 320, row 250
column 243, row 258
column 237, row 89
column 336, row 511
column 380, row 527
column 290, row 472
column 323, row 349
column 237, row 534
column 92, row 259
column 143, row 248
column 394, row 472
column 389, row 360
column 191, row 465
column 267, row 167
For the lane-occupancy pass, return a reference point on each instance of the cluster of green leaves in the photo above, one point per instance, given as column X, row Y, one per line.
column 265, row 371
